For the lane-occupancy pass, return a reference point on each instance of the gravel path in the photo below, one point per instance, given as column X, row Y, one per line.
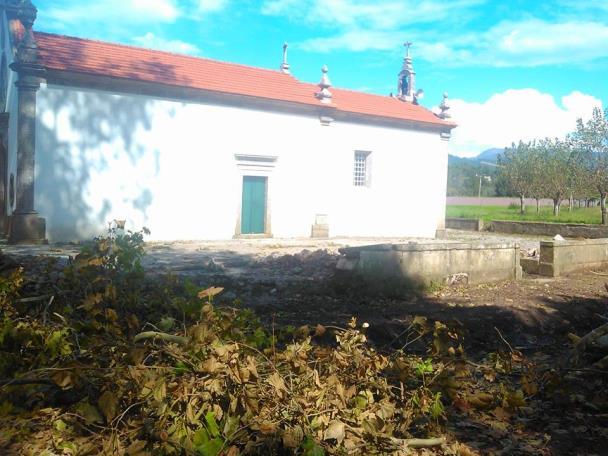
column 251, row 258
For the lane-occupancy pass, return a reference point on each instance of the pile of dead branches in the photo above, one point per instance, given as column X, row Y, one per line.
column 108, row 362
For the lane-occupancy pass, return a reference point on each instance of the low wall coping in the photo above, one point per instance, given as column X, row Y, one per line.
column 435, row 246
column 577, row 242
column 534, row 222
column 464, row 219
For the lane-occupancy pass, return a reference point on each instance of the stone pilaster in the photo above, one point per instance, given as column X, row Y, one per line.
column 26, row 144
column 25, row 224
column 4, row 125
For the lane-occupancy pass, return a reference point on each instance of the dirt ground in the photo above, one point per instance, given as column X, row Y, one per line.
column 532, row 316
column 295, row 283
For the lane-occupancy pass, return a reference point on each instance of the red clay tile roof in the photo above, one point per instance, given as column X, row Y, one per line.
column 58, row 52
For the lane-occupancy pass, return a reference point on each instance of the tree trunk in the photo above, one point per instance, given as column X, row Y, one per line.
column 537, row 205
column 522, row 203
column 556, row 204
column 603, row 206
column 570, row 203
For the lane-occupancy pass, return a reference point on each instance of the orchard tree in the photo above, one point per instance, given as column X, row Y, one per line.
column 581, row 184
column 591, row 142
column 515, row 167
column 535, row 168
column 555, row 170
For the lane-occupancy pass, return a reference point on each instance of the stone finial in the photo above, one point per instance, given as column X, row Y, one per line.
column 324, row 94
column 27, row 52
column 31, row 73
column 285, row 65
column 445, row 107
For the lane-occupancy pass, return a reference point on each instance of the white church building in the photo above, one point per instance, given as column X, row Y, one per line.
column 194, row 148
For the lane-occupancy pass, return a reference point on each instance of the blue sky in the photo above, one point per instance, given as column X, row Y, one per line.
column 514, row 70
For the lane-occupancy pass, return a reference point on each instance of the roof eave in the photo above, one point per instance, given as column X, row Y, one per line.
column 132, row 86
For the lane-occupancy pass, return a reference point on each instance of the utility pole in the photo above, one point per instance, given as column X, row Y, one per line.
column 487, row 178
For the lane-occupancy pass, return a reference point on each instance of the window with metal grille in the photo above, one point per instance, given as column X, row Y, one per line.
column 361, row 169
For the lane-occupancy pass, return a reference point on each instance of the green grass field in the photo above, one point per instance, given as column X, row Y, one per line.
column 487, row 213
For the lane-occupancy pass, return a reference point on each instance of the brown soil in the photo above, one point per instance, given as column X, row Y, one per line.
column 532, row 316
column 567, row 416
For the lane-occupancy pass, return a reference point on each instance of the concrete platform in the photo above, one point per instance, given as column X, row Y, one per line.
column 562, row 257
column 437, row 262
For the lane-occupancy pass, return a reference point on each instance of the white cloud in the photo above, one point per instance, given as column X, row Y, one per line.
column 211, row 6
column 111, row 11
column 150, row 40
column 362, row 25
column 532, row 42
column 508, row 44
column 356, row 40
column 515, row 115
column 162, row 9
column 368, row 14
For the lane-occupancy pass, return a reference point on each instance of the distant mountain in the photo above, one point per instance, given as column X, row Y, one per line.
column 453, row 159
column 463, row 174
column 489, row 155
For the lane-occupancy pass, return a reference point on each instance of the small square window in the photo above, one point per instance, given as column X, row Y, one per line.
column 362, row 168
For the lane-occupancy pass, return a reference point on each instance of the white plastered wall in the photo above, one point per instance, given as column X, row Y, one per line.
column 171, row 166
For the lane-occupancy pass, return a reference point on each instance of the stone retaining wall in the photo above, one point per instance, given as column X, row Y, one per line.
column 576, row 230
column 434, row 262
column 467, row 224
column 561, row 257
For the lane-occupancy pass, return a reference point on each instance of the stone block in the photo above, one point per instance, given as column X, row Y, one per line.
column 547, row 270
column 27, row 229
column 530, row 265
column 562, row 257
column 466, row 224
column 434, row 262
column 321, row 219
column 441, row 234
column 320, row 231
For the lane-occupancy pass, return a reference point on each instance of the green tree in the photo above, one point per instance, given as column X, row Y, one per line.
column 581, row 184
column 515, row 168
column 553, row 164
column 534, row 160
column 591, row 143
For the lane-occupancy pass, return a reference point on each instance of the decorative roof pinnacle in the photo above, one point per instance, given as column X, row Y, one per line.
column 444, row 107
column 324, row 95
column 27, row 51
column 285, row 65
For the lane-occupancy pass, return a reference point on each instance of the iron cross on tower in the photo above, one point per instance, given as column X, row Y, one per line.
column 407, row 45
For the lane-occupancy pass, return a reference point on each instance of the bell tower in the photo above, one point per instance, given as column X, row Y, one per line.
column 406, row 87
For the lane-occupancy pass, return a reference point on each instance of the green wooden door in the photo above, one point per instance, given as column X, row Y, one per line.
column 253, row 213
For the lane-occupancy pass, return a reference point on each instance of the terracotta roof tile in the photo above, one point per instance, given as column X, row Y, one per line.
column 58, row 52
